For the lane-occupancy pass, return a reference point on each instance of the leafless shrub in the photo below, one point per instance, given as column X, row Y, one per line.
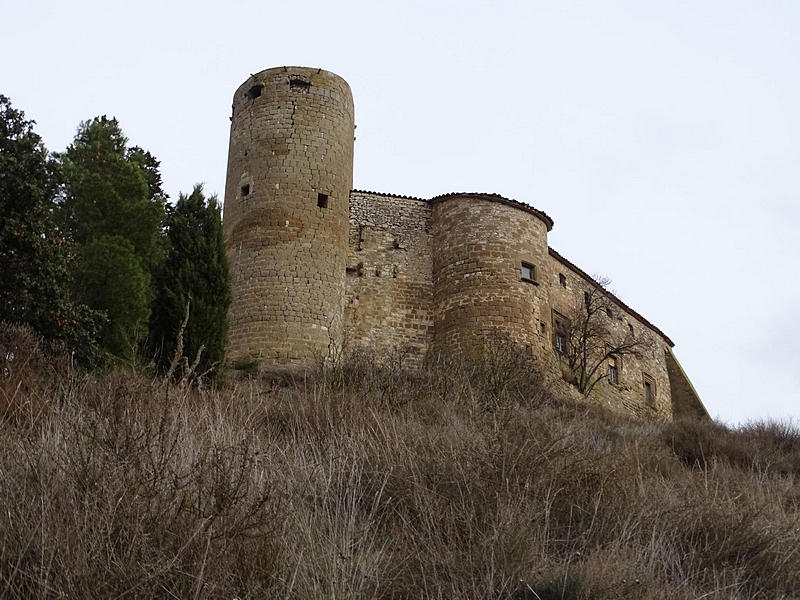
column 28, row 366
column 459, row 480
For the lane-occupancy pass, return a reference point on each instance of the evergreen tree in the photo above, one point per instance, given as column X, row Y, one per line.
column 194, row 272
column 113, row 211
column 149, row 166
column 33, row 253
column 109, row 271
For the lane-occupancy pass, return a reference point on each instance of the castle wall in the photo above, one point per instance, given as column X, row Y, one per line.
column 479, row 244
column 290, row 171
column 389, row 283
column 319, row 270
column 629, row 392
column 446, row 273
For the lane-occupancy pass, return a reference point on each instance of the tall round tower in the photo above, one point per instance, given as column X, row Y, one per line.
column 290, row 172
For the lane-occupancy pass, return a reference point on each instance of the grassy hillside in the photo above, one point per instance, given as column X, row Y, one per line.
column 465, row 481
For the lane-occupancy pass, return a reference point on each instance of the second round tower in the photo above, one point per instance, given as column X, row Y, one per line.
column 290, row 172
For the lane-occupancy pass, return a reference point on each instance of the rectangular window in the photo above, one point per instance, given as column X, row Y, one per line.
column 299, row 85
column 561, row 342
column 613, row 374
column 560, row 327
column 562, row 279
column 528, row 272
column 245, row 190
column 322, row 200
column 649, row 390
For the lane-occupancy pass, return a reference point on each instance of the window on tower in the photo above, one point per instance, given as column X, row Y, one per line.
column 299, row 85
column 254, row 92
column 528, row 272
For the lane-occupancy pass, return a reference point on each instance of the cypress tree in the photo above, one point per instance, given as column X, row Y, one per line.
column 113, row 211
column 194, row 272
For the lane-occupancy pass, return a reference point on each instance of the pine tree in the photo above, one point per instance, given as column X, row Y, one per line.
column 113, row 211
column 194, row 272
column 33, row 252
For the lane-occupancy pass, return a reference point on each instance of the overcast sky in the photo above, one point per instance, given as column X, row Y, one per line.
column 663, row 137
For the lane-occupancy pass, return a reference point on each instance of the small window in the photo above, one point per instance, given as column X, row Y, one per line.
column 562, row 279
column 528, row 272
column 254, row 92
column 609, row 312
column 649, row 390
column 245, row 190
column 322, row 200
column 561, row 342
column 613, row 373
column 560, row 324
column 299, row 85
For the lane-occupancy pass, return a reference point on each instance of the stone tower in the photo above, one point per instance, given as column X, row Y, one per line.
column 481, row 243
column 290, row 172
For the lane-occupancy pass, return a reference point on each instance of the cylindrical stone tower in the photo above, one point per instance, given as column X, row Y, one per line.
column 290, row 172
column 490, row 271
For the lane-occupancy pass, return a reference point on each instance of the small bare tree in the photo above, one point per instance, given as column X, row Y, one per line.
column 590, row 338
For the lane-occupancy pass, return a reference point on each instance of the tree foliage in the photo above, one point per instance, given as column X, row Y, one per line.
column 592, row 338
column 194, row 274
column 110, row 275
column 33, row 253
column 113, row 211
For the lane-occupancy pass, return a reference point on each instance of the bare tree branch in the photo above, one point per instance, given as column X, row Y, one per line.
column 592, row 337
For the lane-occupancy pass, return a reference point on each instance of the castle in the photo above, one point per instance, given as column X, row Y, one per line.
column 317, row 266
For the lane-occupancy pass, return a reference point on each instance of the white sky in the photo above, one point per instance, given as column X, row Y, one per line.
column 663, row 137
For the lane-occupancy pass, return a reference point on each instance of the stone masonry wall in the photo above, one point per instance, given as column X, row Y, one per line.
column 389, row 283
column 290, row 171
column 629, row 392
column 479, row 244
column 445, row 273
column 318, row 270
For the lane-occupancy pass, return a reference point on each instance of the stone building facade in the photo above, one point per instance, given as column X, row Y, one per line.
column 319, row 268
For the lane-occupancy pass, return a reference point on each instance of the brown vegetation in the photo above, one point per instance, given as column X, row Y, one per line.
column 463, row 481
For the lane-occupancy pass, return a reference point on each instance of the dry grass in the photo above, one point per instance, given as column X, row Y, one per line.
column 464, row 481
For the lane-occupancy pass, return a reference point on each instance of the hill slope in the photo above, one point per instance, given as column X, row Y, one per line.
column 464, row 481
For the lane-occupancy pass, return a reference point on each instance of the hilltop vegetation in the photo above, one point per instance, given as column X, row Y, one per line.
column 364, row 481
